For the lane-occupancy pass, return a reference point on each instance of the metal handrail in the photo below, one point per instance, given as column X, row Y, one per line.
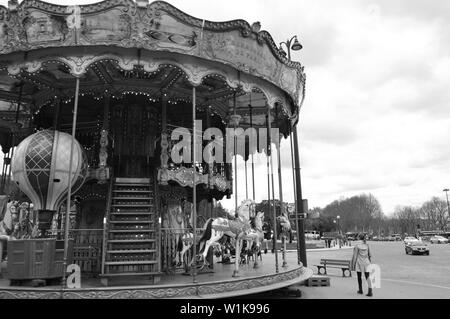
column 106, row 221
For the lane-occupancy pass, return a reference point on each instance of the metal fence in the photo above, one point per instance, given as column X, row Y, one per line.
column 173, row 240
column 87, row 249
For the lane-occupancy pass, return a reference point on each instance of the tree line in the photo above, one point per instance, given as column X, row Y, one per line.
column 363, row 213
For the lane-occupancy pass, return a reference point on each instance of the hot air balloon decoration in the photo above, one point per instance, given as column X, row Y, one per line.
column 40, row 167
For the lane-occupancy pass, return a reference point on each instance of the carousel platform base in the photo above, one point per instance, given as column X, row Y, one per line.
column 218, row 284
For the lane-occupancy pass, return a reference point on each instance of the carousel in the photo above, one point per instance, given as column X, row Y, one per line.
column 121, row 123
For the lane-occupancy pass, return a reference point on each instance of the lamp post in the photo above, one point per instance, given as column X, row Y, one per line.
column 339, row 228
column 448, row 206
column 293, row 44
column 296, row 46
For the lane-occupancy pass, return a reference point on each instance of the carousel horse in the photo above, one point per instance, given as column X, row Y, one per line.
column 254, row 238
column 175, row 224
column 7, row 224
column 24, row 229
column 268, row 234
column 215, row 228
column 284, row 230
column 184, row 244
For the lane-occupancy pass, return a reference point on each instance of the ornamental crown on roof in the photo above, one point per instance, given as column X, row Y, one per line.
column 157, row 26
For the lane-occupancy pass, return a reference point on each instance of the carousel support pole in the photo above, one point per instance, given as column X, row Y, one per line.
column 67, row 221
column 164, row 111
column 238, row 248
column 280, row 186
column 269, row 206
column 194, row 189
column 293, row 179
column 210, row 167
column 3, row 177
column 57, row 113
column 253, row 161
column 106, row 108
column 13, row 136
column 246, row 179
column 301, row 245
column 274, row 211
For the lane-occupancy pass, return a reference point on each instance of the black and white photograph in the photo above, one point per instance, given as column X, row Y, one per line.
column 225, row 155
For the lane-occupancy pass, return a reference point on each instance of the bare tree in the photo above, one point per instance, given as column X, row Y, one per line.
column 435, row 212
column 407, row 218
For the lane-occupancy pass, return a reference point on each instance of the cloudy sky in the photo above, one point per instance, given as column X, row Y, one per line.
column 376, row 117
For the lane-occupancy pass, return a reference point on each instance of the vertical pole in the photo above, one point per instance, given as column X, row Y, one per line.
column 164, row 112
column 280, row 189
column 448, row 206
column 13, row 137
column 211, row 202
column 106, row 109
column 246, row 184
column 66, row 233
column 253, row 162
column 194, row 190
column 238, row 246
column 57, row 114
column 235, row 162
column 274, row 213
column 293, row 174
column 301, row 245
column 269, row 204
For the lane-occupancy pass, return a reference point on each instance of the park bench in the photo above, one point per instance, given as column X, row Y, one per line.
column 334, row 263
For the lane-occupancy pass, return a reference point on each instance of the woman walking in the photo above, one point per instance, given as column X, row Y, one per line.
column 360, row 261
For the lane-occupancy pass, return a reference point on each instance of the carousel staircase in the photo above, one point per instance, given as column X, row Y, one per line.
column 130, row 241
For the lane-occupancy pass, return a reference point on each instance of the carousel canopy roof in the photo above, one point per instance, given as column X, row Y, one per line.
column 122, row 46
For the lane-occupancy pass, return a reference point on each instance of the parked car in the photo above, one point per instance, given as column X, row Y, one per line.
column 438, row 240
column 390, row 238
column 417, row 248
column 397, row 237
column 410, row 239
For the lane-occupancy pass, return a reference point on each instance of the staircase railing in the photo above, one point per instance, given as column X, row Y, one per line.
column 106, row 221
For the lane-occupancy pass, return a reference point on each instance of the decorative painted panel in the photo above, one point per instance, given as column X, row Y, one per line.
column 155, row 27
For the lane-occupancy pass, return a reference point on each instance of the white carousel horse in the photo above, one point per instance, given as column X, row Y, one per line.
column 284, row 230
column 254, row 237
column 176, row 227
column 215, row 228
column 184, row 245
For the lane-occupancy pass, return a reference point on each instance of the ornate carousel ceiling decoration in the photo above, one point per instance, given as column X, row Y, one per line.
column 138, row 34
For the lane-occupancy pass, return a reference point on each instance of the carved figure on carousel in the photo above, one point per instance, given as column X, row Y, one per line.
column 9, row 217
column 176, row 225
column 216, row 228
column 25, row 228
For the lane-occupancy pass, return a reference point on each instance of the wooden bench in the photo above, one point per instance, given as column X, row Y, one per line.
column 334, row 263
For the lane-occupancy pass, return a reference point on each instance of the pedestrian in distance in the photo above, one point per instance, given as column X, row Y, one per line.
column 361, row 260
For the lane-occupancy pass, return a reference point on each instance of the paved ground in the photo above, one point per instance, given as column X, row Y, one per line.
column 402, row 276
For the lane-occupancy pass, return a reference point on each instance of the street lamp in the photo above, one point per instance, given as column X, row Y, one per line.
column 296, row 46
column 293, row 44
column 339, row 228
column 448, row 206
